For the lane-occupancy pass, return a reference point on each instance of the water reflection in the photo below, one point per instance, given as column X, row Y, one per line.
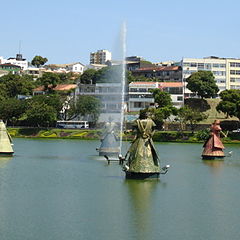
column 214, row 163
column 4, row 161
column 140, row 196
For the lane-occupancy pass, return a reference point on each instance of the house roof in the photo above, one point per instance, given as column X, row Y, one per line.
column 145, row 83
column 159, row 84
column 162, row 68
column 10, row 65
column 59, row 87
column 169, row 84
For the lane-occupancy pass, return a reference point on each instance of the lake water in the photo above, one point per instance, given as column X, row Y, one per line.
column 61, row 190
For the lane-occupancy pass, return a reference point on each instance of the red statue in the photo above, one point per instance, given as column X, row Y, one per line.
column 213, row 147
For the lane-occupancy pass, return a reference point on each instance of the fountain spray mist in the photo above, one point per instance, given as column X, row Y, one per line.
column 123, row 81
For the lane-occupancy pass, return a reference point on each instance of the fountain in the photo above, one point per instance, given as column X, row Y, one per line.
column 114, row 91
column 5, row 141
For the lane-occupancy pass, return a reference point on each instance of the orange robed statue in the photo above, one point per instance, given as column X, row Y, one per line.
column 213, row 147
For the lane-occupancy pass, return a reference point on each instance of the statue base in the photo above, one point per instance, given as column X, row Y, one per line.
column 109, row 151
column 212, row 157
column 6, row 154
column 142, row 176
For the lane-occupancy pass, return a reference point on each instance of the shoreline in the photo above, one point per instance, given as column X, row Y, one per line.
column 95, row 134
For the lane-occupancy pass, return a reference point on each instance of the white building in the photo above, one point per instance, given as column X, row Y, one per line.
column 19, row 61
column 75, row 67
column 140, row 96
column 225, row 70
column 100, row 57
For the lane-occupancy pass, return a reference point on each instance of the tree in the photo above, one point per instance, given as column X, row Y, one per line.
column 164, row 108
column 191, row 116
column 203, row 84
column 38, row 61
column 161, row 98
column 85, row 106
column 12, row 109
column 230, row 103
column 49, row 80
column 14, row 85
column 40, row 115
column 88, row 76
column 53, row 100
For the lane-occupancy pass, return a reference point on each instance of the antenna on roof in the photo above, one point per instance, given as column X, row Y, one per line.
column 19, row 55
column 19, row 47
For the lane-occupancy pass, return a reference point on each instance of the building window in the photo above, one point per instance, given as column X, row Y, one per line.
column 138, row 105
column 179, row 98
column 208, row 66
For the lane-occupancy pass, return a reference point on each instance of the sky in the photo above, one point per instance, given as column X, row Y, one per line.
column 67, row 31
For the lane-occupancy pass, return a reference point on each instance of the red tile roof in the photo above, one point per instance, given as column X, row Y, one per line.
column 160, row 84
column 162, row 68
column 169, row 84
column 59, row 87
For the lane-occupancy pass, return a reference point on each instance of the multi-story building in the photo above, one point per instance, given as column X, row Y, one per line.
column 110, row 95
column 160, row 74
column 19, row 61
column 225, row 70
column 15, row 69
column 140, row 96
column 100, row 57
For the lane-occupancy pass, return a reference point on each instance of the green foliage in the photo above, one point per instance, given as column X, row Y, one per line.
column 49, row 80
column 12, row 109
column 191, row 116
column 230, row 125
column 53, row 100
column 161, row 98
column 38, row 61
column 164, row 108
column 197, row 104
column 112, row 74
column 203, row 84
column 13, row 85
column 85, row 106
column 88, row 77
column 202, row 135
column 40, row 115
column 173, row 136
column 230, row 103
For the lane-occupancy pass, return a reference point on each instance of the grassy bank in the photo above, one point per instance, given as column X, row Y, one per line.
column 54, row 133
column 92, row 134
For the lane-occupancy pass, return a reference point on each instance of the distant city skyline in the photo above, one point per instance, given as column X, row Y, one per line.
column 157, row 31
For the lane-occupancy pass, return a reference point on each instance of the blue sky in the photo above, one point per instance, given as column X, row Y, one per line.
column 67, row 31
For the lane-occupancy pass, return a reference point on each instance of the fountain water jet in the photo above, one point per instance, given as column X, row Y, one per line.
column 113, row 99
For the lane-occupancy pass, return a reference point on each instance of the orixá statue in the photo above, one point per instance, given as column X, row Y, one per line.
column 5, row 141
column 109, row 142
column 213, row 147
column 142, row 161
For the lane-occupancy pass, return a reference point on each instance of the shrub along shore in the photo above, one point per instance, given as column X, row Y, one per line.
column 95, row 134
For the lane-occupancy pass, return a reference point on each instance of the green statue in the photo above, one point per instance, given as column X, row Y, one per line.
column 142, row 159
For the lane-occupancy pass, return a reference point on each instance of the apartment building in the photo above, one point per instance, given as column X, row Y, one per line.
column 140, row 96
column 160, row 74
column 100, row 57
column 225, row 70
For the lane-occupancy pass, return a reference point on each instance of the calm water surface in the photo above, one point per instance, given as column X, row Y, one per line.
column 61, row 190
